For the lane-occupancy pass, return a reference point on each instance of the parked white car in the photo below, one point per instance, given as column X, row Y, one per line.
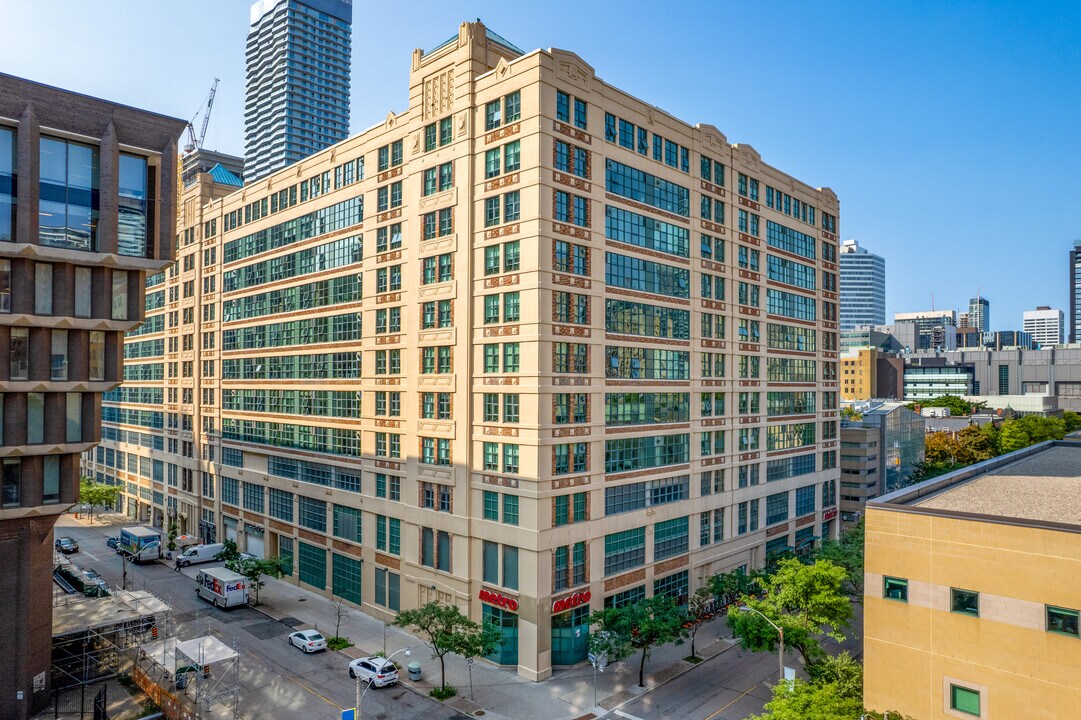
column 308, row 640
column 375, row 670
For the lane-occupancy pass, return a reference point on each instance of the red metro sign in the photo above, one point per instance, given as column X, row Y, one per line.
column 494, row 598
column 571, row 601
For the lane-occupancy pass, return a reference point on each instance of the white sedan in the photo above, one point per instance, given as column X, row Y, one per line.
column 308, row 640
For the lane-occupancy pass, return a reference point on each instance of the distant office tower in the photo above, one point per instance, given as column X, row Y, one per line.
column 933, row 328
column 298, row 81
column 1075, row 292
column 1045, row 325
column 863, row 287
column 978, row 315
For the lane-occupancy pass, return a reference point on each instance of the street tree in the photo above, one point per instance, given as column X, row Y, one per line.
column 805, row 601
column 254, row 569
column 94, row 493
column 847, row 552
column 730, row 586
column 975, row 445
column 341, row 612
column 643, row 626
column 444, row 629
column 1072, row 421
column 701, row 608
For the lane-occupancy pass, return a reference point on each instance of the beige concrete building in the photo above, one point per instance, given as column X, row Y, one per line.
column 529, row 346
column 970, row 607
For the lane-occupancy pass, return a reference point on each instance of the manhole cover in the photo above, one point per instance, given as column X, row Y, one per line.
column 479, row 713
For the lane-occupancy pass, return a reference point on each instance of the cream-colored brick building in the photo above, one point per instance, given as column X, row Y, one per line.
column 529, row 346
column 971, row 601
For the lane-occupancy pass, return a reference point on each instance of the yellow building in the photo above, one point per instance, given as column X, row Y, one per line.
column 858, row 374
column 529, row 346
column 972, row 598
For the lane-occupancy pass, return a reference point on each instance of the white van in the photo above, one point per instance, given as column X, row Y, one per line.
column 199, row 554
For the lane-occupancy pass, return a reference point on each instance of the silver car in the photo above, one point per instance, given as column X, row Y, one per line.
column 308, row 640
column 375, row 670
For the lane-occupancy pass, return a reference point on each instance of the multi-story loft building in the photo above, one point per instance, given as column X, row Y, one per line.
column 863, row 287
column 297, row 92
column 969, row 607
column 530, row 346
column 1044, row 324
column 87, row 207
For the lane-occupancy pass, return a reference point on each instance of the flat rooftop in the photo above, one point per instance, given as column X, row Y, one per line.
column 1040, row 484
column 79, row 614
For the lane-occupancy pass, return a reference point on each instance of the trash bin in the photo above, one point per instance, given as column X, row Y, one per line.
column 414, row 670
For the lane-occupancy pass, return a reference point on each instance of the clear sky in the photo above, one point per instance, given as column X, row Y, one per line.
column 950, row 130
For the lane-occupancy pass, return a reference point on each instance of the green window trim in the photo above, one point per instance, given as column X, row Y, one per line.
column 895, row 589
column 1062, row 621
column 965, row 700
column 965, row 602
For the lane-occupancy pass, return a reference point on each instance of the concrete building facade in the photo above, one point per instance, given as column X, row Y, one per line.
column 297, row 89
column 1075, row 293
column 1044, row 324
column 966, row 611
column 863, row 287
column 530, row 346
column 934, row 329
column 87, row 208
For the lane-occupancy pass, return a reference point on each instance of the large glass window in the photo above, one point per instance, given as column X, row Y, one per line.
column 74, row 417
column 131, row 224
column 68, row 208
column 59, row 356
column 50, row 491
column 43, row 289
column 8, row 184
column 83, row 287
column 10, row 482
column 19, row 357
column 120, row 295
column 97, row 355
column 35, row 418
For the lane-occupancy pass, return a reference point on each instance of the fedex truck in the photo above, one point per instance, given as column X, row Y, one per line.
column 143, row 544
column 222, row 587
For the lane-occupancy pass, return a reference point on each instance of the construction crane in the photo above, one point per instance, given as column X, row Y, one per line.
column 196, row 141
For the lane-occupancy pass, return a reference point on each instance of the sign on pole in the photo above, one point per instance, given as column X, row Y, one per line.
column 349, row 714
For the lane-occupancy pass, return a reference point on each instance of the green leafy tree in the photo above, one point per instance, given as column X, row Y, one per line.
column 957, row 405
column 805, row 601
column 643, row 626
column 254, row 569
column 1012, row 436
column 1072, row 421
column 1041, row 429
column 444, row 629
column 95, row 493
column 229, row 552
column 850, row 413
column 701, row 608
column 730, row 586
column 974, row 445
column 847, row 552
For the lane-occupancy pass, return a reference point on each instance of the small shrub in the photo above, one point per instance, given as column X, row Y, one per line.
column 443, row 693
column 338, row 643
column 693, row 660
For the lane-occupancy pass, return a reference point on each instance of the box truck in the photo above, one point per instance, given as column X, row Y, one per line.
column 143, row 544
column 222, row 587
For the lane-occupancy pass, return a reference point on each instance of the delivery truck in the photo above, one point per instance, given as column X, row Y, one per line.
column 142, row 544
column 222, row 587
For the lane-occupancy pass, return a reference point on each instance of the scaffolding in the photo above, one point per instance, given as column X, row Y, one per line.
column 187, row 677
column 92, row 634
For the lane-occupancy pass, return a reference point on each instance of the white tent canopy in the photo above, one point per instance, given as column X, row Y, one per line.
column 173, row 654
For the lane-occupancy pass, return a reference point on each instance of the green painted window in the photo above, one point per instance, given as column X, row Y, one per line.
column 965, row 700
column 285, row 554
column 895, row 589
column 966, row 602
column 346, row 580
column 510, row 509
column 312, row 564
column 491, row 505
column 1061, row 620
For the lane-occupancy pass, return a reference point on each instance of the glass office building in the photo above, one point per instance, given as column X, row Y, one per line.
column 863, row 287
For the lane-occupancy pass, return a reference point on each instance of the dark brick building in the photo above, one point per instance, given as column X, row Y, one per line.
column 87, row 208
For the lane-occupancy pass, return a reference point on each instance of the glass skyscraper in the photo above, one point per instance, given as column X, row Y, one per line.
column 297, row 95
column 1075, row 292
column 863, row 287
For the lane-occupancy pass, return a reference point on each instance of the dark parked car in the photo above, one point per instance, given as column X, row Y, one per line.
column 66, row 545
column 113, row 542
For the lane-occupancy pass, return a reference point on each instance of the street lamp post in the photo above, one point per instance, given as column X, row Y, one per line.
column 780, row 632
column 360, row 695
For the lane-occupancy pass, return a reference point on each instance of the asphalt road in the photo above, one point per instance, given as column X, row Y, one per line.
column 730, row 686
column 276, row 680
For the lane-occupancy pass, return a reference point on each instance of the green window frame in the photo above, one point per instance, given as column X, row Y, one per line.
column 510, row 509
column 491, row 505
column 1062, row 621
column 965, row 602
column 895, row 589
column 965, row 700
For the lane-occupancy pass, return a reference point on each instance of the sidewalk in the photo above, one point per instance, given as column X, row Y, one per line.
column 498, row 692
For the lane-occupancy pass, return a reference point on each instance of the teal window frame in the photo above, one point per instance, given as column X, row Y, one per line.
column 897, row 586
column 961, row 698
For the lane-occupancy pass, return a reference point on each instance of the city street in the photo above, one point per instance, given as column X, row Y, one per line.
column 277, row 680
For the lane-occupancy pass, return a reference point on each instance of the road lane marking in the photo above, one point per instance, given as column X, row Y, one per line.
column 733, row 701
column 93, row 557
column 627, row 715
column 313, row 692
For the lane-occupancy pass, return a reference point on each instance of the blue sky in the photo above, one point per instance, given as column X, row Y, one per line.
column 948, row 129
